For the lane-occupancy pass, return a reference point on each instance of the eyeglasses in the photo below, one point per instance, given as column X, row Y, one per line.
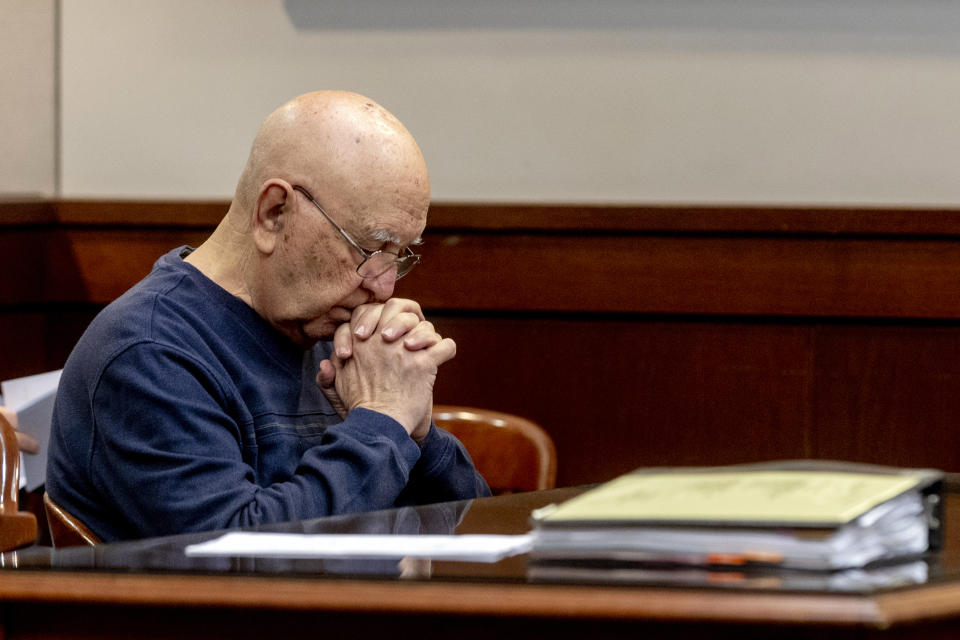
column 375, row 263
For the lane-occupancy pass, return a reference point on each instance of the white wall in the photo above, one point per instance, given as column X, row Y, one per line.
column 27, row 98
column 803, row 101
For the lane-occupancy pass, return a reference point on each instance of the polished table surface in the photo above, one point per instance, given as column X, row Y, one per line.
column 150, row 587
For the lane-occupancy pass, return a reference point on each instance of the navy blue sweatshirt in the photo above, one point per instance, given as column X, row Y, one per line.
column 181, row 409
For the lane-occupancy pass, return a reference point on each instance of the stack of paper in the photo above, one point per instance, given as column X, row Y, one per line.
column 862, row 580
column 466, row 548
column 806, row 519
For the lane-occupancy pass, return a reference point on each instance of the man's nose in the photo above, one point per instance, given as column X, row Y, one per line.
column 381, row 286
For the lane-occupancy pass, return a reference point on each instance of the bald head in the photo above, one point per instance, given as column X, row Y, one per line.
column 277, row 253
column 335, row 141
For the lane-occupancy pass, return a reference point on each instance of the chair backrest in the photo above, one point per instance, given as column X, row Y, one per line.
column 511, row 453
column 66, row 530
column 17, row 528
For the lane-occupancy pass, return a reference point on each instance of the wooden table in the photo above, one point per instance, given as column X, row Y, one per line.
column 151, row 589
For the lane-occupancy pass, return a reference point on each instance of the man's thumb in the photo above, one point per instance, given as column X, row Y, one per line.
column 326, row 377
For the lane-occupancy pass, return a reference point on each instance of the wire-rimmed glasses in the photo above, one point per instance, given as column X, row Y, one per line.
column 375, row 263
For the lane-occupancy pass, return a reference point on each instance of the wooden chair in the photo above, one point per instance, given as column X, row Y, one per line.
column 66, row 530
column 512, row 453
column 17, row 528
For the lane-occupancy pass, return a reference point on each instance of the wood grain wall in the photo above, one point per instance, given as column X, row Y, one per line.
column 635, row 335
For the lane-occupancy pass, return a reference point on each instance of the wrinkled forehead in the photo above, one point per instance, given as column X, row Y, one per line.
column 389, row 204
column 391, row 226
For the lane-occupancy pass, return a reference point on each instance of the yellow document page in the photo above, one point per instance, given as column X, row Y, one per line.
column 760, row 497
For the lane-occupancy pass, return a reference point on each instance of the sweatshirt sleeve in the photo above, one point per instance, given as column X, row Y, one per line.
column 444, row 472
column 168, row 456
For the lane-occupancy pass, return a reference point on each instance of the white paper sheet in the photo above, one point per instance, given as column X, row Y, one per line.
column 470, row 548
column 32, row 399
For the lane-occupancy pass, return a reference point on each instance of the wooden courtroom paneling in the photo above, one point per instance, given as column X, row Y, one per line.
column 691, row 274
column 889, row 392
column 635, row 335
column 616, row 393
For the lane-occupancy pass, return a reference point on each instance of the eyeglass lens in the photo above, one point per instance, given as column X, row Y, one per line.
column 382, row 262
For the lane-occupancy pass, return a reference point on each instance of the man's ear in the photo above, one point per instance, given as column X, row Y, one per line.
column 271, row 214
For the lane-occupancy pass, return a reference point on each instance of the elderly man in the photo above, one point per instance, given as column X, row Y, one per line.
column 268, row 375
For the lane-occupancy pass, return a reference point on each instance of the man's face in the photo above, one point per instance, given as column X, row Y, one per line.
column 310, row 284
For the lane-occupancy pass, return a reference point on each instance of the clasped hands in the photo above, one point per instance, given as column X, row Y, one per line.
column 386, row 359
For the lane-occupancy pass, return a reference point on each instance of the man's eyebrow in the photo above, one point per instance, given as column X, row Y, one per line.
column 384, row 236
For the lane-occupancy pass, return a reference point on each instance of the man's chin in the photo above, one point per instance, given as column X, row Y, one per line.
column 317, row 330
column 338, row 315
column 309, row 333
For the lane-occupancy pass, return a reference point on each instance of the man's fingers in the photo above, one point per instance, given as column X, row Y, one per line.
column 394, row 306
column 444, row 350
column 367, row 319
column 401, row 325
column 342, row 342
column 326, row 377
column 423, row 336
column 26, row 443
